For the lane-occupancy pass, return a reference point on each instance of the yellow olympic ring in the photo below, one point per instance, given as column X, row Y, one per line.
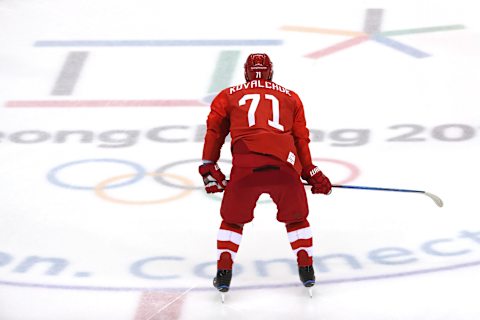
column 100, row 189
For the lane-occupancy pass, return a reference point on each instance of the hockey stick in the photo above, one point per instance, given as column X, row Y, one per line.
column 435, row 198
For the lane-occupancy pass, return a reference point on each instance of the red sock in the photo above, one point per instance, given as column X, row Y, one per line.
column 300, row 237
column 228, row 241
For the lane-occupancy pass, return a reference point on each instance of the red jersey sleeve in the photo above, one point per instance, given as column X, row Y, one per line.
column 301, row 135
column 218, row 127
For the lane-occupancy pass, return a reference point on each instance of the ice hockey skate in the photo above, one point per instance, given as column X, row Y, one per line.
column 222, row 282
column 307, row 277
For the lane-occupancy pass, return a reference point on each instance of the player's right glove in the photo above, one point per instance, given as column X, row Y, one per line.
column 213, row 178
column 319, row 182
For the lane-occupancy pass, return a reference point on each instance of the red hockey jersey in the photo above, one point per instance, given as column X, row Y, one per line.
column 268, row 118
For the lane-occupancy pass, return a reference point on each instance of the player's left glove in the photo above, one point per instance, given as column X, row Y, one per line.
column 319, row 182
column 213, row 178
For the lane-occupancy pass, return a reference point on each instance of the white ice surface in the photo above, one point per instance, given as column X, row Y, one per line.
column 67, row 253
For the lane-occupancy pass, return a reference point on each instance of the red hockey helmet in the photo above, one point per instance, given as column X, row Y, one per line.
column 258, row 66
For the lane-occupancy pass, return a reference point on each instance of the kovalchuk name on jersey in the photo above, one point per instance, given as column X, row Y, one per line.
column 262, row 116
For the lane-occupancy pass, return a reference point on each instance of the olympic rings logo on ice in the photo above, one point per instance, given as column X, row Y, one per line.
column 160, row 175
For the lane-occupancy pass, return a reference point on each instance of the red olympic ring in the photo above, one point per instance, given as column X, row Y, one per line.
column 354, row 170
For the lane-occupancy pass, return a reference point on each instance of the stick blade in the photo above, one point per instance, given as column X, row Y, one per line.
column 435, row 199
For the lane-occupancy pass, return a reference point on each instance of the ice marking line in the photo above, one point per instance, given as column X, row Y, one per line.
column 170, row 303
column 68, row 77
column 102, row 103
column 372, row 28
column 255, row 287
column 399, row 46
column 423, row 30
column 150, row 301
column 373, row 20
column 337, row 47
column 224, row 70
column 322, row 31
column 158, row 43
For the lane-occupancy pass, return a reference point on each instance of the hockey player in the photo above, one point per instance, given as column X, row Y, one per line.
column 270, row 152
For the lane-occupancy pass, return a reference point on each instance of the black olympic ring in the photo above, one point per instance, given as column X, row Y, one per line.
column 164, row 168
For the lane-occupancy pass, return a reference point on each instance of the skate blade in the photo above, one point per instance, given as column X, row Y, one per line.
column 310, row 292
column 222, row 296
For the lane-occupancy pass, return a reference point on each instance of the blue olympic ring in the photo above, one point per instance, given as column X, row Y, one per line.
column 52, row 175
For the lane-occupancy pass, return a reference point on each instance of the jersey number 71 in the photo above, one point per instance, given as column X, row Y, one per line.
column 255, row 98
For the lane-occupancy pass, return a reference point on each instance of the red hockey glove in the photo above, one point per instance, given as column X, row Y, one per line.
column 319, row 182
column 213, row 178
